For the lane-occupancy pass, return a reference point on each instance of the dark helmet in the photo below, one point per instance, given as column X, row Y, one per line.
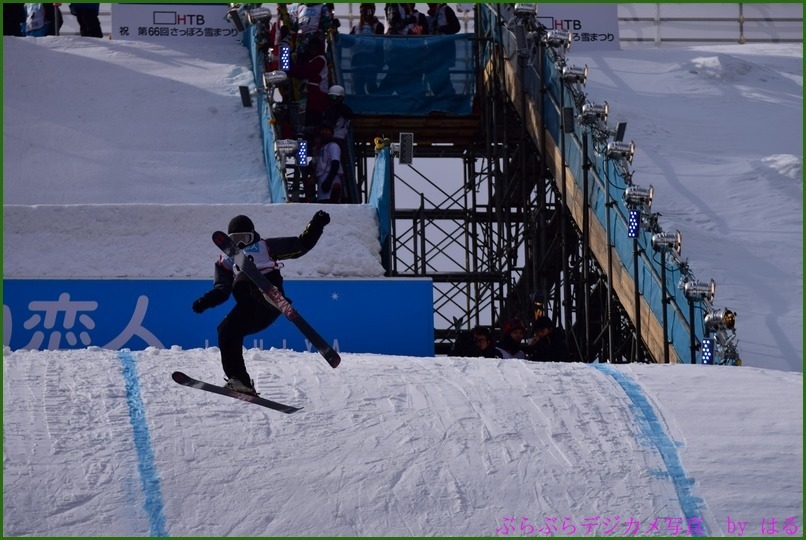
column 512, row 325
column 542, row 322
column 240, row 224
column 242, row 231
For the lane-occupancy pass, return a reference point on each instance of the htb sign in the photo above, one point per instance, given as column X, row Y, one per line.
column 171, row 23
column 595, row 26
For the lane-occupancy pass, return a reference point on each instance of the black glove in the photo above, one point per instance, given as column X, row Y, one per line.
column 200, row 305
column 314, row 229
column 320, row 219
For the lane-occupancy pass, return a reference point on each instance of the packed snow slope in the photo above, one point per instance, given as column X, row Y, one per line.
column 99, row 442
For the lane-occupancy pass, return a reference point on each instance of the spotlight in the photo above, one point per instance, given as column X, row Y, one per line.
column 525, row 10
column 234, row 16
column 635, row 196
column 592, row 112
column 720, row 319
column 286, row 147
column 574, row 74
column 558, row 39
column 697, row 290
column 285, row 57
column 668, row 242
column 258, row 15
column 274, row 78
column 634, row 224
column 617, row 149
column 707, row 351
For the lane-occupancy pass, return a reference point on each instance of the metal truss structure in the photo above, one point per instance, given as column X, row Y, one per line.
column 479, row 213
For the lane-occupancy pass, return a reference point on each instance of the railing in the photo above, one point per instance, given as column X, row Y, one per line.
column 710, row 23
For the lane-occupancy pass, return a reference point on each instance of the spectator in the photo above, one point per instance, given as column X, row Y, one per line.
column 35, row 23
column 251, row 313
column 53, row 19
column 325, row 180
column 419, row 22
column 367, row 55
column 14, row 16
column 549, row 342
column 338, row 113
column 405, row 70
column 476, row 343
column 510, row 345
column 279, row 34
column 400, row 21
column 87, row 17
column 484, row 343
column 312, row 68
column 335, row 23
column 42, row 19
column 312, row 22
column 442, row 55
column 538, row 301
column 442, row 19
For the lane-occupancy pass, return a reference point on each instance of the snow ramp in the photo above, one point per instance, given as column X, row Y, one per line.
column 100, row 442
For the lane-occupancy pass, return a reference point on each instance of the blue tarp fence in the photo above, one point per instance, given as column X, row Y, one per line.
column 407, row 75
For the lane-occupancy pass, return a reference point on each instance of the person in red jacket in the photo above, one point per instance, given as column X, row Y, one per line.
column 312, row 68
column 511, row 342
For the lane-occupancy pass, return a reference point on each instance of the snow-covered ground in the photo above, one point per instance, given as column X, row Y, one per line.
column 98, row 442
column 146, row 149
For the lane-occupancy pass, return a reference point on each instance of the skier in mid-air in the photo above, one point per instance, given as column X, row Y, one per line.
column 252, row 312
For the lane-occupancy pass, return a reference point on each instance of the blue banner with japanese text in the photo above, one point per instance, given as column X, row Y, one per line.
column 383, row 316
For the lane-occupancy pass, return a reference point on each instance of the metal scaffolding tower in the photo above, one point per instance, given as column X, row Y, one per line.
column 479, row 213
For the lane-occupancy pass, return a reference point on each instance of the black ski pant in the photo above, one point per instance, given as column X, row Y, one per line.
column 251, row 314
column 88, row 23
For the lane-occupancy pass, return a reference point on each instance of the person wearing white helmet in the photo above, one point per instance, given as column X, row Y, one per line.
column 324, row 177
column 338, row 113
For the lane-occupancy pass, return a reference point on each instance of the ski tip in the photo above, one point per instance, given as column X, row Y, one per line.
column 218, row 234
column 334, row 361
column 179, row 377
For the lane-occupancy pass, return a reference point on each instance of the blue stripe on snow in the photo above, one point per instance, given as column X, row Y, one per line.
column 142, row 444
column 653, row 430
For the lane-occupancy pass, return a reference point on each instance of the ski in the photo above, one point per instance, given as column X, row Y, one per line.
column 275, row 297
column 190, row 382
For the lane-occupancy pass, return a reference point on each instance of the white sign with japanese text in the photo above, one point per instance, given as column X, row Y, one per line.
column 165, row 23
column 595, row 26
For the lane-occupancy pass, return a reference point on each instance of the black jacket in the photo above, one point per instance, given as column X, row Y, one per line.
column 552, row 348
column 291, row 247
